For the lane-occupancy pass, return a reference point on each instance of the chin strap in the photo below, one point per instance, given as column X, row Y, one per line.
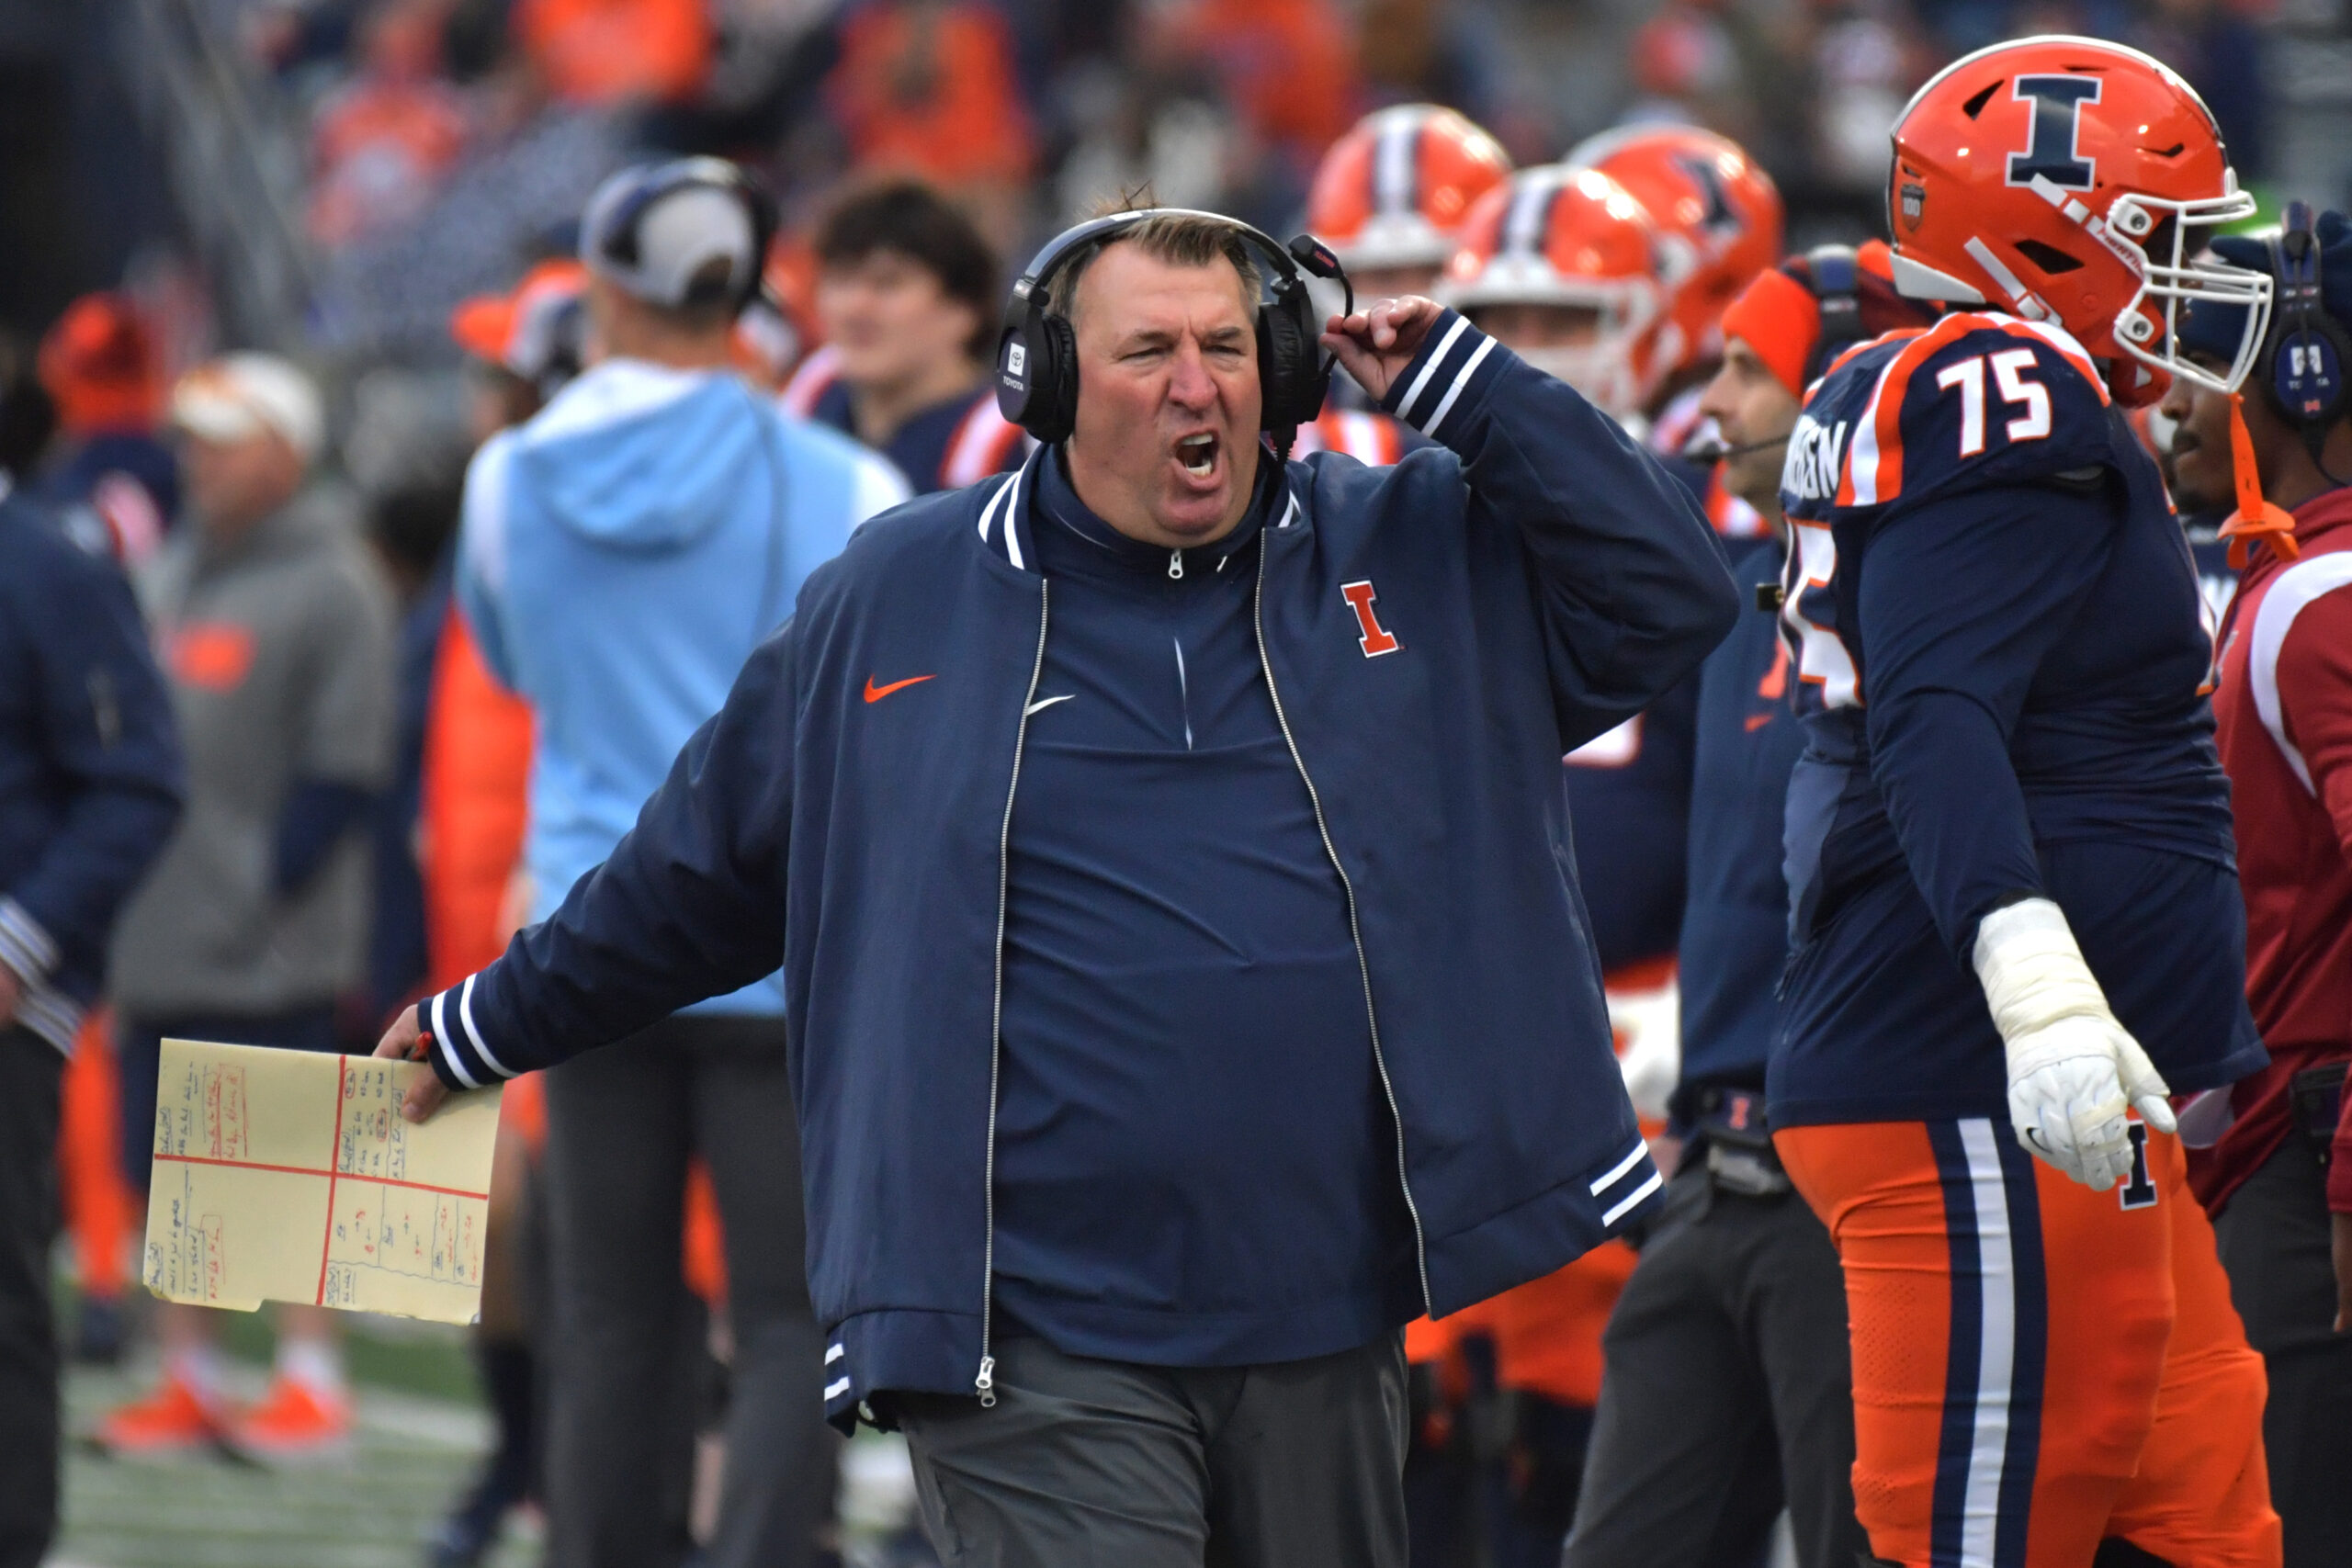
column 2255, row 520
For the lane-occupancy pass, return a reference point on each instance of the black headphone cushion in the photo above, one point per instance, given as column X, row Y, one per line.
column 1291, row 380
column 1058, row 383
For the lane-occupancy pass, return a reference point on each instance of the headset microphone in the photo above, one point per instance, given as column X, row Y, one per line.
column 1714, row 449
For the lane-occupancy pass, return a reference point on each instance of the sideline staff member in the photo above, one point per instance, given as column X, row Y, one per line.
column 1167, row 855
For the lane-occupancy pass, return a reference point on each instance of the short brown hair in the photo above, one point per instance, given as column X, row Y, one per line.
column 1178, row 238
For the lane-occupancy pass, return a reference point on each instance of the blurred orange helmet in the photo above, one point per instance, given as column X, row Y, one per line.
column 2072, row 182
column 1718, row 213
column 1394, row 190
column 1576, row 239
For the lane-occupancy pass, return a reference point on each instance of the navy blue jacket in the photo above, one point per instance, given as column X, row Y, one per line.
column 1435, row 636
column 1735, row 922
column 90, row 780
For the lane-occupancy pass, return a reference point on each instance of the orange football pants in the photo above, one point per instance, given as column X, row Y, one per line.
column 2038, row 1367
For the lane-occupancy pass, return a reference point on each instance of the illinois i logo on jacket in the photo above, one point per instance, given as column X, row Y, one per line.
column 1375, row 639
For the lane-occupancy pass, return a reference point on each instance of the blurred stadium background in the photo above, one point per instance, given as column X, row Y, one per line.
column 329, row 179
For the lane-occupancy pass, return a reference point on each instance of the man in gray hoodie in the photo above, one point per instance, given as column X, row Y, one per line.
column 276, row 631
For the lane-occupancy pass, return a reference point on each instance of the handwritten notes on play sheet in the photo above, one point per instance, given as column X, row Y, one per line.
column 289, row 1176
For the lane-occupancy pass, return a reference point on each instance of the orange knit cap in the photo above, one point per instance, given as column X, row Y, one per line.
column 1779, row 315
column 102, row 367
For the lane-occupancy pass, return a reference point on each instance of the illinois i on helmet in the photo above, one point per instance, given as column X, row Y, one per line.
column 1719, row 219
column 2073, row 181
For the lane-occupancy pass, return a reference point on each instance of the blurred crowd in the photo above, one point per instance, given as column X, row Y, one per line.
column 450, row 141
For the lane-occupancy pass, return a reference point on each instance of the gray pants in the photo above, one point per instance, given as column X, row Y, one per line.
column 2273, row 1239
column 621, row 1122
column 1728, row 1392
column 1107, row 1465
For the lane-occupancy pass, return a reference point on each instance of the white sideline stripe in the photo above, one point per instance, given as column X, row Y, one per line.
column 443, row 1044
column 988, row 512
column 1454, row 391
column 1657, row 1180
column 832, row 1354
column 1623, row 1165
column 466, row 1016
column 2295, row 590
column 1422, row 382
column 1012, row 522
column 40, row 946
column 835, row 1390
column 1981, row 1505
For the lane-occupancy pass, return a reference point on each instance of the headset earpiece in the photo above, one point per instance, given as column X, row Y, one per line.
column 2308, row 352
column 1036, row 354
column 1832, row 274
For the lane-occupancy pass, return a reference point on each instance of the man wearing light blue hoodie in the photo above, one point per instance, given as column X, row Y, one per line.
column 623, row 553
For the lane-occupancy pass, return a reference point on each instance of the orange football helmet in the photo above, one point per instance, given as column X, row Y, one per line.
column 1394, row 190
column 2070, row 181
column 1576, row 239
column 1719, row 217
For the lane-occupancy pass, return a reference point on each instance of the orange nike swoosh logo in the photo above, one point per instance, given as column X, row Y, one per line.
column 1756, row 721
column 875, row 694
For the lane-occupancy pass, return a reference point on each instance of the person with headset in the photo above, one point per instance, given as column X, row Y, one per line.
column 1727, row 1395
column 2277, row 1155
column 1165, row 849
column 622, row 553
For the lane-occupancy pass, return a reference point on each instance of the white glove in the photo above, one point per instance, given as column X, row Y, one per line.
column 1648, row 1024
column 2073, row 1068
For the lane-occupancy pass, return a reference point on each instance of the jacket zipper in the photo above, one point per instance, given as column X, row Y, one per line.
column 984, row 1384
column 1355, row 930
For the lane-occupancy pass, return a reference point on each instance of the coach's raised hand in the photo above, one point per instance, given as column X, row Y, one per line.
column 1375, row 343
column 406, row 1041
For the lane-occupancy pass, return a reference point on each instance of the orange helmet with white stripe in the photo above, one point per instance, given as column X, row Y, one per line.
column 2070, row 181
column 1561, row 264
column 1390, row 195
column 1719, row 217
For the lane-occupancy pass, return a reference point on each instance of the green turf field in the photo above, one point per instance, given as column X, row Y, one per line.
column 419, row 1430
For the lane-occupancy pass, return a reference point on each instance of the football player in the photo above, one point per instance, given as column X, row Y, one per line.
column 2015, row 911
column 1718, row 217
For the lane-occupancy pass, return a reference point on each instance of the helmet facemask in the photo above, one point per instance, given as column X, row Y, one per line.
column 2161, row 240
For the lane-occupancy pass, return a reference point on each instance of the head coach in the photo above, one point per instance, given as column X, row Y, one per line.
column 1166, row 850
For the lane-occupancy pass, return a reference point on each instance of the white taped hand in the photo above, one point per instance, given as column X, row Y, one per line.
column 2073, row 1070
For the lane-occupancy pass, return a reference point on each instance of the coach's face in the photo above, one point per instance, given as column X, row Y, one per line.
column 1165, row 446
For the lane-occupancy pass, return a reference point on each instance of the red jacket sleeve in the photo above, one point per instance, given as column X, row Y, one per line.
column 2315, row 704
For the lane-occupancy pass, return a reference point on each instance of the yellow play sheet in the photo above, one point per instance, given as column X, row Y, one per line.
column 289, row 1176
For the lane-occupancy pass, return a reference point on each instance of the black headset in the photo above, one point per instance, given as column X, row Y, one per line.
column 1036, row 352
column 1833, row 274
column 2309, row 351
column 620, row 241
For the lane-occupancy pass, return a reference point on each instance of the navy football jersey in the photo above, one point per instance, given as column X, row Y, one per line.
column 2002, row 657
